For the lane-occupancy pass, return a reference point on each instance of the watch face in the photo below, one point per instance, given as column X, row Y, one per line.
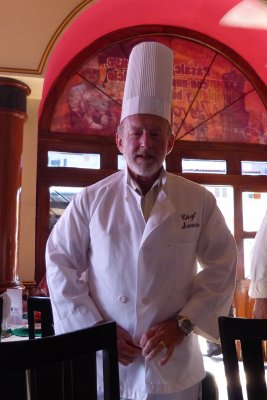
column 185, row 325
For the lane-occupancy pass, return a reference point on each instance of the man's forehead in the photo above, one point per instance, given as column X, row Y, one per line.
column 146, row 120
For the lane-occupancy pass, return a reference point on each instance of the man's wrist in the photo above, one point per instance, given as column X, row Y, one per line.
column 184, row 323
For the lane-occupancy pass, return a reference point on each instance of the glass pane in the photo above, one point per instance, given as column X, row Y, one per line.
column 225, row 200
column 85, row 108
column 73, row 160
column 254, row 206
column 204, row 166
column 248, row 245
column 254, row 167
column 60, row 197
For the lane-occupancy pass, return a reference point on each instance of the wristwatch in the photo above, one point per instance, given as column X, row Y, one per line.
column 185, row 324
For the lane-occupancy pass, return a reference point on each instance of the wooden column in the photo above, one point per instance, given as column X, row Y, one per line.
column 13, row 96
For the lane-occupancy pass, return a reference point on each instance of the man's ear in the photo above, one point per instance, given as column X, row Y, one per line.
column 119, row 142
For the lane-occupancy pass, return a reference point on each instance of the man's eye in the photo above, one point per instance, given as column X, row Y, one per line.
column 136, row 133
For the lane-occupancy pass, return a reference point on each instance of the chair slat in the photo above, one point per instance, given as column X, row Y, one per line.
column 251, row 333
column 253, row 361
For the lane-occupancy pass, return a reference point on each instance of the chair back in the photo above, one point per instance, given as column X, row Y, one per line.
column 251, row 333
column 42, row 305
column 49, row 356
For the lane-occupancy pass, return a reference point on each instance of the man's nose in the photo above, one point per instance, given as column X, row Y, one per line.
column 146, row 140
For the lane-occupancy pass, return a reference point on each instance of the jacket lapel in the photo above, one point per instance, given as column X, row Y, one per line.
column 162, row 209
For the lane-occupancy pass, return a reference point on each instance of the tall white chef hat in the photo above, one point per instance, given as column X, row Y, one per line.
column 148, row 85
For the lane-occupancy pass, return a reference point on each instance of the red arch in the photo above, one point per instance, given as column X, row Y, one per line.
column 106, row 16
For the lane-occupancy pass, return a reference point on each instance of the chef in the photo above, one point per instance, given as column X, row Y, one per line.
column 145, row 248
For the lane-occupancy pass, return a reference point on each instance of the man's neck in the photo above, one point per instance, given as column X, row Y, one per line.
column 145, row 183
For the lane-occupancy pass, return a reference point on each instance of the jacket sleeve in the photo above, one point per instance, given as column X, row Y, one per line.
column 213, row 286
column 258, row 284
column 67, row 261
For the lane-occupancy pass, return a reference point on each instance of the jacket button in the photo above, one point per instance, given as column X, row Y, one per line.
column 123, row 299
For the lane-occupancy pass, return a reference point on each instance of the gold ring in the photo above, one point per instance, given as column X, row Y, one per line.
column 163, row 344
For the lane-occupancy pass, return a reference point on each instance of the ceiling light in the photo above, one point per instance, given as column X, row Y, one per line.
column 247, row 14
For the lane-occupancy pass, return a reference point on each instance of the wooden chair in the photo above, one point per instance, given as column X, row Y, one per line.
column 251, row 333
column 49, row 355
column 42, row 305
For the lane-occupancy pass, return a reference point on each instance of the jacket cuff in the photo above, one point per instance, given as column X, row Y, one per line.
column 258, row 290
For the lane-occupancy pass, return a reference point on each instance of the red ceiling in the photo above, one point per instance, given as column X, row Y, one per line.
column 105, row 16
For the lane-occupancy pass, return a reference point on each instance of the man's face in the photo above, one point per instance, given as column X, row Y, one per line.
column 144, row 140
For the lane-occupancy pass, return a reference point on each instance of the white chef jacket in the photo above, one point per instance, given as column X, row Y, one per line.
column 140, row 274
column 258, row 266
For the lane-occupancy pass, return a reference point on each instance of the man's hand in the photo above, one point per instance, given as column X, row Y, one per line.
column 260, row 309
column 127, row 350
column 162, row 337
